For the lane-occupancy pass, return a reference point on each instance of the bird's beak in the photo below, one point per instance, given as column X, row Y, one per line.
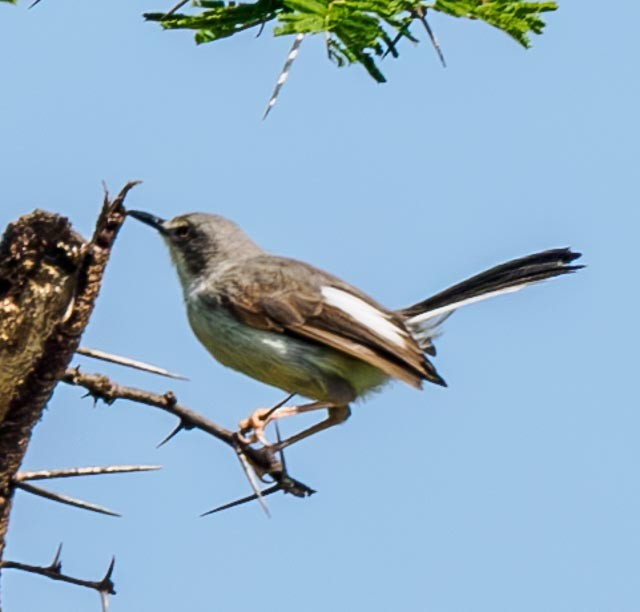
column 149, row 219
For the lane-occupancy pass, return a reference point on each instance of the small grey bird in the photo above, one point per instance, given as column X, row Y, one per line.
column 298, row 328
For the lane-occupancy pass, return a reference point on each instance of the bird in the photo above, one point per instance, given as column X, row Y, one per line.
column 296, row 327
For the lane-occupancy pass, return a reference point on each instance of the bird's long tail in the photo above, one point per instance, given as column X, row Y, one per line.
column 424, row 318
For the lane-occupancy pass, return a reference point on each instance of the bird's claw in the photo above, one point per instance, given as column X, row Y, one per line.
column 252, row 428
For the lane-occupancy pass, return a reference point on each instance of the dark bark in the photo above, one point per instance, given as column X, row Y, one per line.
column 49, row 281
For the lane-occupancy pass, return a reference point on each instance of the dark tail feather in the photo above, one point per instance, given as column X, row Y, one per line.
column 509, row 275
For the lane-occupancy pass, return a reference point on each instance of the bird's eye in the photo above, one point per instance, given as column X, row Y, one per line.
column 182, row 232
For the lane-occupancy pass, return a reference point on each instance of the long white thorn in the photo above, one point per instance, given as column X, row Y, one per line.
column 127, row 362
column 249, row 473
column 284, row 73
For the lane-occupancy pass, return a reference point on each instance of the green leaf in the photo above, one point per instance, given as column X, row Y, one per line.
column 219, row 20
column 356, row 31
column 515, row 17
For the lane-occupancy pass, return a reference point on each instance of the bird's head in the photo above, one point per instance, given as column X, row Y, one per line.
column 200, row 243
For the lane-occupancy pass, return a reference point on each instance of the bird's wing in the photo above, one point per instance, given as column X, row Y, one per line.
column 292, row 297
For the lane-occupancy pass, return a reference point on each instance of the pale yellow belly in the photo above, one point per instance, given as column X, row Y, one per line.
column 292, row 364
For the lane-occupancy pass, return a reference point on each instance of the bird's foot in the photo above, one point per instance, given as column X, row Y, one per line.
column 252, row 428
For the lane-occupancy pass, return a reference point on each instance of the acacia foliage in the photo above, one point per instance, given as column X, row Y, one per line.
column 356, row 31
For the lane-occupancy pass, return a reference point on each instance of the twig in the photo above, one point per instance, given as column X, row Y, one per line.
column 127, row 362
column 53, row 571
column 101, row 387
column 263, row 460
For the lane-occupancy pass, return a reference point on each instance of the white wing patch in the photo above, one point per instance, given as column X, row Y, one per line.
column 376, row 320
column 277, row 343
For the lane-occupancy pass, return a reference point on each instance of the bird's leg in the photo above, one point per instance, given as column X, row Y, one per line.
column 261, row 417
column 336, row 415
column 257, row 421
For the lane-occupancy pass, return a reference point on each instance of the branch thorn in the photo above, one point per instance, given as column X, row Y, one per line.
column 63, row 499
column 106, row 584
column 174, row 8
column 181, row 426
column 56, row 564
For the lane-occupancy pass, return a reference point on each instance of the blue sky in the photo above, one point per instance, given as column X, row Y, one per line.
column 514, row 489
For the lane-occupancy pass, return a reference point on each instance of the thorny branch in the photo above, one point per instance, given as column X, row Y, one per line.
column 102, row 388
column 263, row 460
column 53, row 571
